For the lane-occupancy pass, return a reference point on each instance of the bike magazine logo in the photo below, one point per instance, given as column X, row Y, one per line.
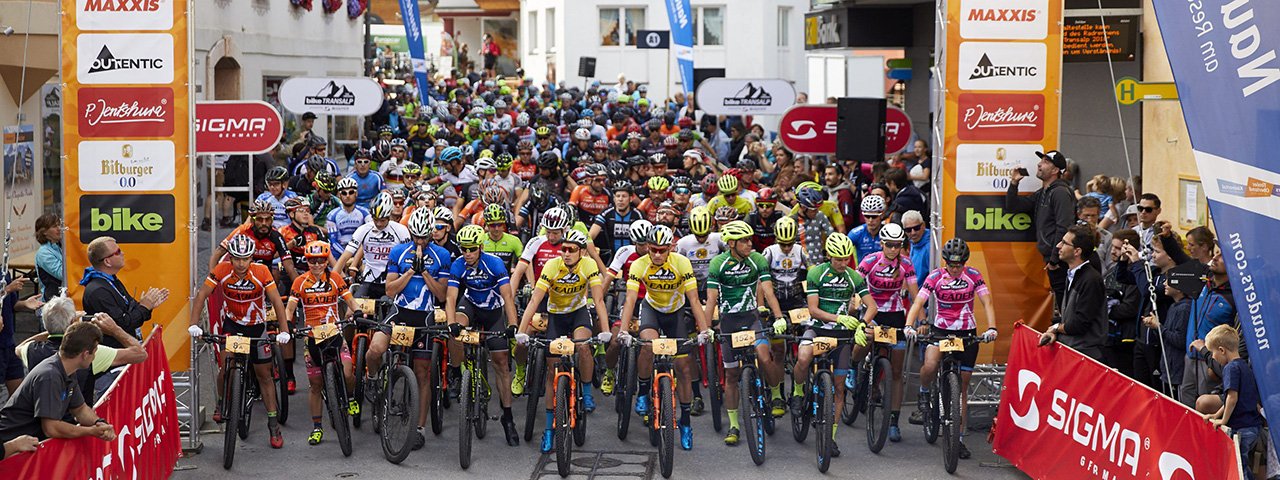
column 150, row 15
column 1004, row 19
column 749, row 96
column 145, row 58
column 127, row 218
column 983, row 218
column 1002, row 66
column 120, row 166
column 125, row 112
column 985, row 167
column 1015, row 117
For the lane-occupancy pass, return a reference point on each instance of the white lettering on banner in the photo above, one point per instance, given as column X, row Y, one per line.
column 1244, row 44
column 216, row 125
column 99, row 112
column 1253, row 303
column 682, row 16
column 828, row 30
column 134, row 436
column 979, row 117
column 1074, row 421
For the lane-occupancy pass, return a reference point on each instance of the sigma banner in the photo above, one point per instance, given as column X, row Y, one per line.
column 1223, row 55
column 126, row 126
column 1065, row 416
column 417, row 52
column 1003, row 70
column 681, row 17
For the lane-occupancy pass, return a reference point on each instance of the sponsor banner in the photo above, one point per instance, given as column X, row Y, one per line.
column 897, row 130
column 245, row 127
column 124, row 14
column 51, row 125
column 826, row 29
column 1004, row 19
column 110, row 58
column 809, row 129
column 983, row 218
column 653, row 39
column 985, row 167
column 1065, row 416
column 144, row 411
column 417, row 50
column 126, row 112
column 1002, row 66
column 680, row 17
column 1015, row 117
column 354, row 96
column 126, row 166
column 127, row 218
column 22, row 194
column 1232, row 121
column 746, row 96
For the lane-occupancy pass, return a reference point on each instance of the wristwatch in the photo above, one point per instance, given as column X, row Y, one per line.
column 100, row 420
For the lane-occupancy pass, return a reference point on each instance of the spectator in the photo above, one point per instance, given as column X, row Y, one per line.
column 105, row 293
column 10, row 367
column 50, row 392
column 913, row 224
column 1181, row 283
column 1124, row 301
column 21, row 444
column 49, row 266
column 58, row 314
column 1088, row 211
column 1237, row 409
column 490, row 50
column 1148, row 213
column 1083, row 321
column 905, row 194
column 1212, row 307
column 1052, row 209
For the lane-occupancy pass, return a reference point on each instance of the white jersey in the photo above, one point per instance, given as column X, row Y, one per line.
column 377, row 248
column 788, row 271
column 701, row 253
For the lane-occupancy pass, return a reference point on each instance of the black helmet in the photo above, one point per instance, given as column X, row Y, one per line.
column 277, row 174
column 538, row 196
column 623, row 186
column 316, row 164
column 955, row 250
column 636, row 160
column 617, row 169
column 548, row 160
column 568, row 117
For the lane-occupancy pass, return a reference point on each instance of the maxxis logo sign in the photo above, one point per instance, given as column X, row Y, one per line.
column 1004, row 19
column 127, row 218
column 148, row 15
column 145, row 58
column 1002, row 66
column 125, row 112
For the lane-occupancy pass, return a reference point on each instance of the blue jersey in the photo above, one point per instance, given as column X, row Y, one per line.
column 481, row 281
column 342, row 224
column 281, row 217
column 435, row 261
column 367, row 186
column 864, row 241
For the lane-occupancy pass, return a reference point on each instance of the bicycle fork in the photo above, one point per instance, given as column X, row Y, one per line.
column 573, row 395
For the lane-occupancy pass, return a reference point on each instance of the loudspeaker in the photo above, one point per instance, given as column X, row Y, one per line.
column 860, row 129
column 700, row 74
column 587, row 67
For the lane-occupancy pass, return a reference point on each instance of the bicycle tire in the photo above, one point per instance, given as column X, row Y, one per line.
column 435, row 408
column 378, row 404
column 825, row 415
column 879, row 396
column 534, row 387
column 855, row 400
column 712, row 376
column 246, row 414
column 563, row 433
column 234, row 402
column 622, row 400
column 931, row 427
column 337, row 408
column 951, row 421
column 466, row 403
column 752, row 411
column 800, row 423
column 362, row 343
column 282, row 389
column 580, row 418
column 402, row 414
column 666, row 414
column 481, row 384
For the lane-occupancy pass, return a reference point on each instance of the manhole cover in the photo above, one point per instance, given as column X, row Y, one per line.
column 346, row 475
column 586, row 464
column 606, row 462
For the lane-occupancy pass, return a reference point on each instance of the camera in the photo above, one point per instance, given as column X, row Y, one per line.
column 1023, row 171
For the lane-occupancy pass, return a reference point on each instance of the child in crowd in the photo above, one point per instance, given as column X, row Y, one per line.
column 1237, row 406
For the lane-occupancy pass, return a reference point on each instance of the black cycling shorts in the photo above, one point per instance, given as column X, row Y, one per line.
column 486, row 320
column 731, row 323
column 970, row 356
column 262, row 351
column 669, row 325
column 565, row 324
column 414, row 318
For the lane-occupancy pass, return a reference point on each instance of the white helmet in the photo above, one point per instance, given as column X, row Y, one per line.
column 639, row 231
column 575, row 237
column 555, row 219
column 892, row 232
column 582, row 134
column 873, row 204
column 420, row 223
column 382, row 206
column 443, row 214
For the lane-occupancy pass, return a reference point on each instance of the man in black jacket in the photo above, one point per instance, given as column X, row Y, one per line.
column 104, row 292
column 1083, row 324
column 1052, row 210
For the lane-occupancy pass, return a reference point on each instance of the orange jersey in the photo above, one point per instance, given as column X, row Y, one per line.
column 319, row 296
column 473, row 207
column 589, row 202
column 526, row 171
column 244, row 298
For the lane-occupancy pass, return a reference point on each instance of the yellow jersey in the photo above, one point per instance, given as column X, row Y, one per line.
column 742, row 205
column 568, row 288
column 666, row 284
column 828, row 208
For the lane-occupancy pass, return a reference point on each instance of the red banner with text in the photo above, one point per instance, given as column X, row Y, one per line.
column 142, row 407
column 1064, row 415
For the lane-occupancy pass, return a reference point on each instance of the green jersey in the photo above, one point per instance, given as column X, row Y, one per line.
column 507, row 248
column 320, row 209
column 835, row 289
column 736, row 280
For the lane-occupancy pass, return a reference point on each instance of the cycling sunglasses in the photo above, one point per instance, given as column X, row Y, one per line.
column 468, row 249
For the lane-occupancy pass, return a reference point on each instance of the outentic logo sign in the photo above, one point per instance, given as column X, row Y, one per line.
column 125, row 112
column 1001, row 117
column 144, row 58
column 1004, row 19
column 128, row 218
column 983, row 218
column 238, row 127
column 126, row 166
column 1002, row 66
column 149, row 15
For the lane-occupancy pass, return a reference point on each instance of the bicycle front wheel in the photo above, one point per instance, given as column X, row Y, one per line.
column 337, row 407
column 623, row 392
column 710, row 361
column 666, row 416
column 753, row 413
column 951, row 421
column 234, row 404
column 362, row 343
column 281, row 386
column 879, row 394
column 534, row 374
column 401, row 407
column 563, row 431
column 825, row 430
column 800, row 422
column 467, row 406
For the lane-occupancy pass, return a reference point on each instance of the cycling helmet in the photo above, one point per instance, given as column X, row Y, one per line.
column 538, row 196
column 682, row 182
column 495, row 213
column 617, row 169
column 639, row 231
column 809, row 198
column 623, row 186
column 575, row 237
column 746, row 164
column 661, row 235
column 581, row 134
column 726, row 214
column 596, row 170
column 277, row 174
column 489, row 110
column 635, row 161
column 451, row 154
column 470, row 236
column 659, row 183
column 381, row 206
column 495, row 195
column 892, row 232
column 261, row 206
column 316, row 163
column 467, row 151
column 872, row 204
column 727, row 184
column 522, row 120
column 543, row 132
column 670, row 141
column 839, row 245
column 486, row 164
column 316, row 249
column 442, row 214
column 504, row 161
column 411, row 168
column 524, row 145
column 486, row 153
column 700, row 221
column 736, row 230
column 293, row 204
column 420, row 222
column 548, row 160
column 634, row 136
column 399, row 142
column 362, row 154
column 325, row 181
column 474, row 123
column 385, row 130
column 241, row 246
column 785, row 230
column 346, row 183
column 955, row 250
column 657, row 159
column 556, row 219
column 766, row 195
column 600, row 145
column 810, row 184
column 498, row 104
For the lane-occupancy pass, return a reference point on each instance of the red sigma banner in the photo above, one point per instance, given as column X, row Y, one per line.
column 897, row 130
column 1064, row 415
column 809, row 129
column 237, row 127
column 125, row 112
column 142, row 407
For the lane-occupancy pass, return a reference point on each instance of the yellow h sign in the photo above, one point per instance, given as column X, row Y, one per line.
column 1130, row 91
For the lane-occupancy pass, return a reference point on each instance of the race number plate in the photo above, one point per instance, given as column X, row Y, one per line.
column 823, row 345
column 743, row 339
column 951, row 345
column 324, row 331
column 470, row 337
column 271, row 314
column 367, row 305
column 539, row 322
column 886, row 335
column 401, row 336
column 238, row 344
column 561, row 346
column 440, row 316
column 799, row 315
column 664, row 346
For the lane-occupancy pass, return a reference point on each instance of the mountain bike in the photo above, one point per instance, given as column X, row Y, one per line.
column 711, row 362
column 754, row 393
column 535, row 375
column 665, row 407
column 474, row 393
column 328, row 340
column 878, row 392
column 240, row 387
column 819, row 389
column 570, row 419
column 373, row 310
column 942, row 414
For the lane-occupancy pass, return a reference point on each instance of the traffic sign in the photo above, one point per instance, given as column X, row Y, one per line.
column 657, row 39
column 1130, row 91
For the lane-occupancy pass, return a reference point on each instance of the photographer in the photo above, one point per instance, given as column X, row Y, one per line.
column 1052, row 210
column 50, row 392
column 59, row 313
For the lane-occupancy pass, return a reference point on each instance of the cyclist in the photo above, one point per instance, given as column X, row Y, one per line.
column 540, row 250
column 763, row 219
column 300, row 231
column 511, row 182
column 368, row 182
column 829, row 208
column 669, row 286
column 442, row 234
column 392, row 169
column 277, row 193
column 815, row 226
column 658, row 187
column 732, row 282
column 343, row 222
column 496, row 240
column 524, row 167
column 621, row 263
column 956, row 286
column 787, row 265
column 244, row 285
column 700, row 245
column 322, row 199
column 889, row 273
column 417, row 279
column 565, row 284
column 372, row 243
column 866, row 237
column 318, row 291
column 488, row 298
column 728, row 197
column 591, row 199
column 610, row 228
column 831, row 289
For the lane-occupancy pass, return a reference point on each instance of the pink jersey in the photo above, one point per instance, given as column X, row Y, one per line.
column 955, row 297
column 886, row 279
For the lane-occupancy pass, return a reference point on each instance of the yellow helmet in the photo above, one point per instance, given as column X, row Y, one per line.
column 470, row 236
column 659, row 183
column 839, row 246
column 736, row 230
column 785, row 230
column 700, row 220
column 728, row 184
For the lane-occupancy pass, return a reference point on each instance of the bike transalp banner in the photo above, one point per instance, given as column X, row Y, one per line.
column 417, row 52
column 1223, row 55
column 681, row 17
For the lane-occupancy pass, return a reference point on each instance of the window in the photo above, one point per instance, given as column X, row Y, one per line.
column 708, row 26
column 532, row 31
column 609, row 26
column 618, row 25
column 551, row 28
column 784, row 26
column 635, row 21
